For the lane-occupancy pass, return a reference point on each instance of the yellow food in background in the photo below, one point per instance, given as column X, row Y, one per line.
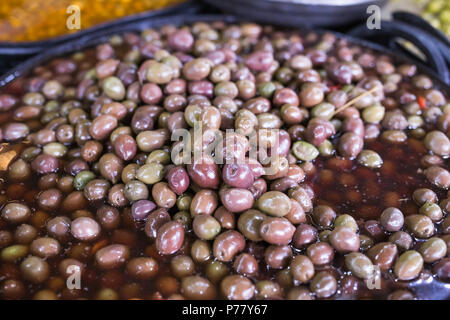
column 31, row 20
column 437, row 13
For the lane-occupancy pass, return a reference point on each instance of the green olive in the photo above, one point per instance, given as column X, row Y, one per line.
column 420, row 225
column 82, row 178
column 417, row 133
column 161, row 54
column 274, row 203
column 304, row 151
column 359, row 264
column 184, row 202
column 433, row 249
column 192, row 114
column 215, row 271
column 438, row 143
column 249, row 222
column 415, row 121
column 365, row 242
column 51, row 105
column 267, row 289
column 158, row 156
column 394, row 136
column 159, row 73
column 373, row 114
column 370, row 159
column 135, row 190
column 266, row 89
column 326, row 148
column 346, row 220
column 33, row 98
column 182, row 266
column 323, row 236
column 206, row 227
column 55, row 149
column 201, row 251
column 432, row 211
column 30, row 153
column 226, row 88
column 107, row 294
column 408, row 265
column 184, row 217
column 323, row 110
column 114, row 88
column 150, row 173
column 14, row 252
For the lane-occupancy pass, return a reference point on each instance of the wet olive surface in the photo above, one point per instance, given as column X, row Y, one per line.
column 361, row 195
column 265, row 260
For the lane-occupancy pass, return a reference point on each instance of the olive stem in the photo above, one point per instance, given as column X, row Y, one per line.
column 356, row 99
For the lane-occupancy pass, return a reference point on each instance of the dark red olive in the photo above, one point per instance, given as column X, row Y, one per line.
column 178, row 179
column 204, row 172
column 170, row 237
column 237, row 175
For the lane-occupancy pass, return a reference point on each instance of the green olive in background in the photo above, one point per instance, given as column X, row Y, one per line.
column 437, row 13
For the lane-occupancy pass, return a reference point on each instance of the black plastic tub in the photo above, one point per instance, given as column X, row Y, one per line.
column 305, row 13
column 438, row 290
column 99, row 36
column 27, row 48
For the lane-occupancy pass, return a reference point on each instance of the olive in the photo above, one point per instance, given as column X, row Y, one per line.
column 150, row 173
column 304, row 151
column 421, row 226
column 249, row 223
column 197, row 288
column 216, row 271
column 392, row 219
column 432, row 211
column 373, row 114
column 370, row 159
column 323, row 284
column 438, row 143
column 206, row 227
column 346, row 220
column 383, row 255
column 359, row 264
column 35, row 270
column 433, row 249
column 274, row 203
column 113, row 88
column 408, row 265
column 237, row 287
column 344, row 239
column 302, row 268
column 82, row 178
